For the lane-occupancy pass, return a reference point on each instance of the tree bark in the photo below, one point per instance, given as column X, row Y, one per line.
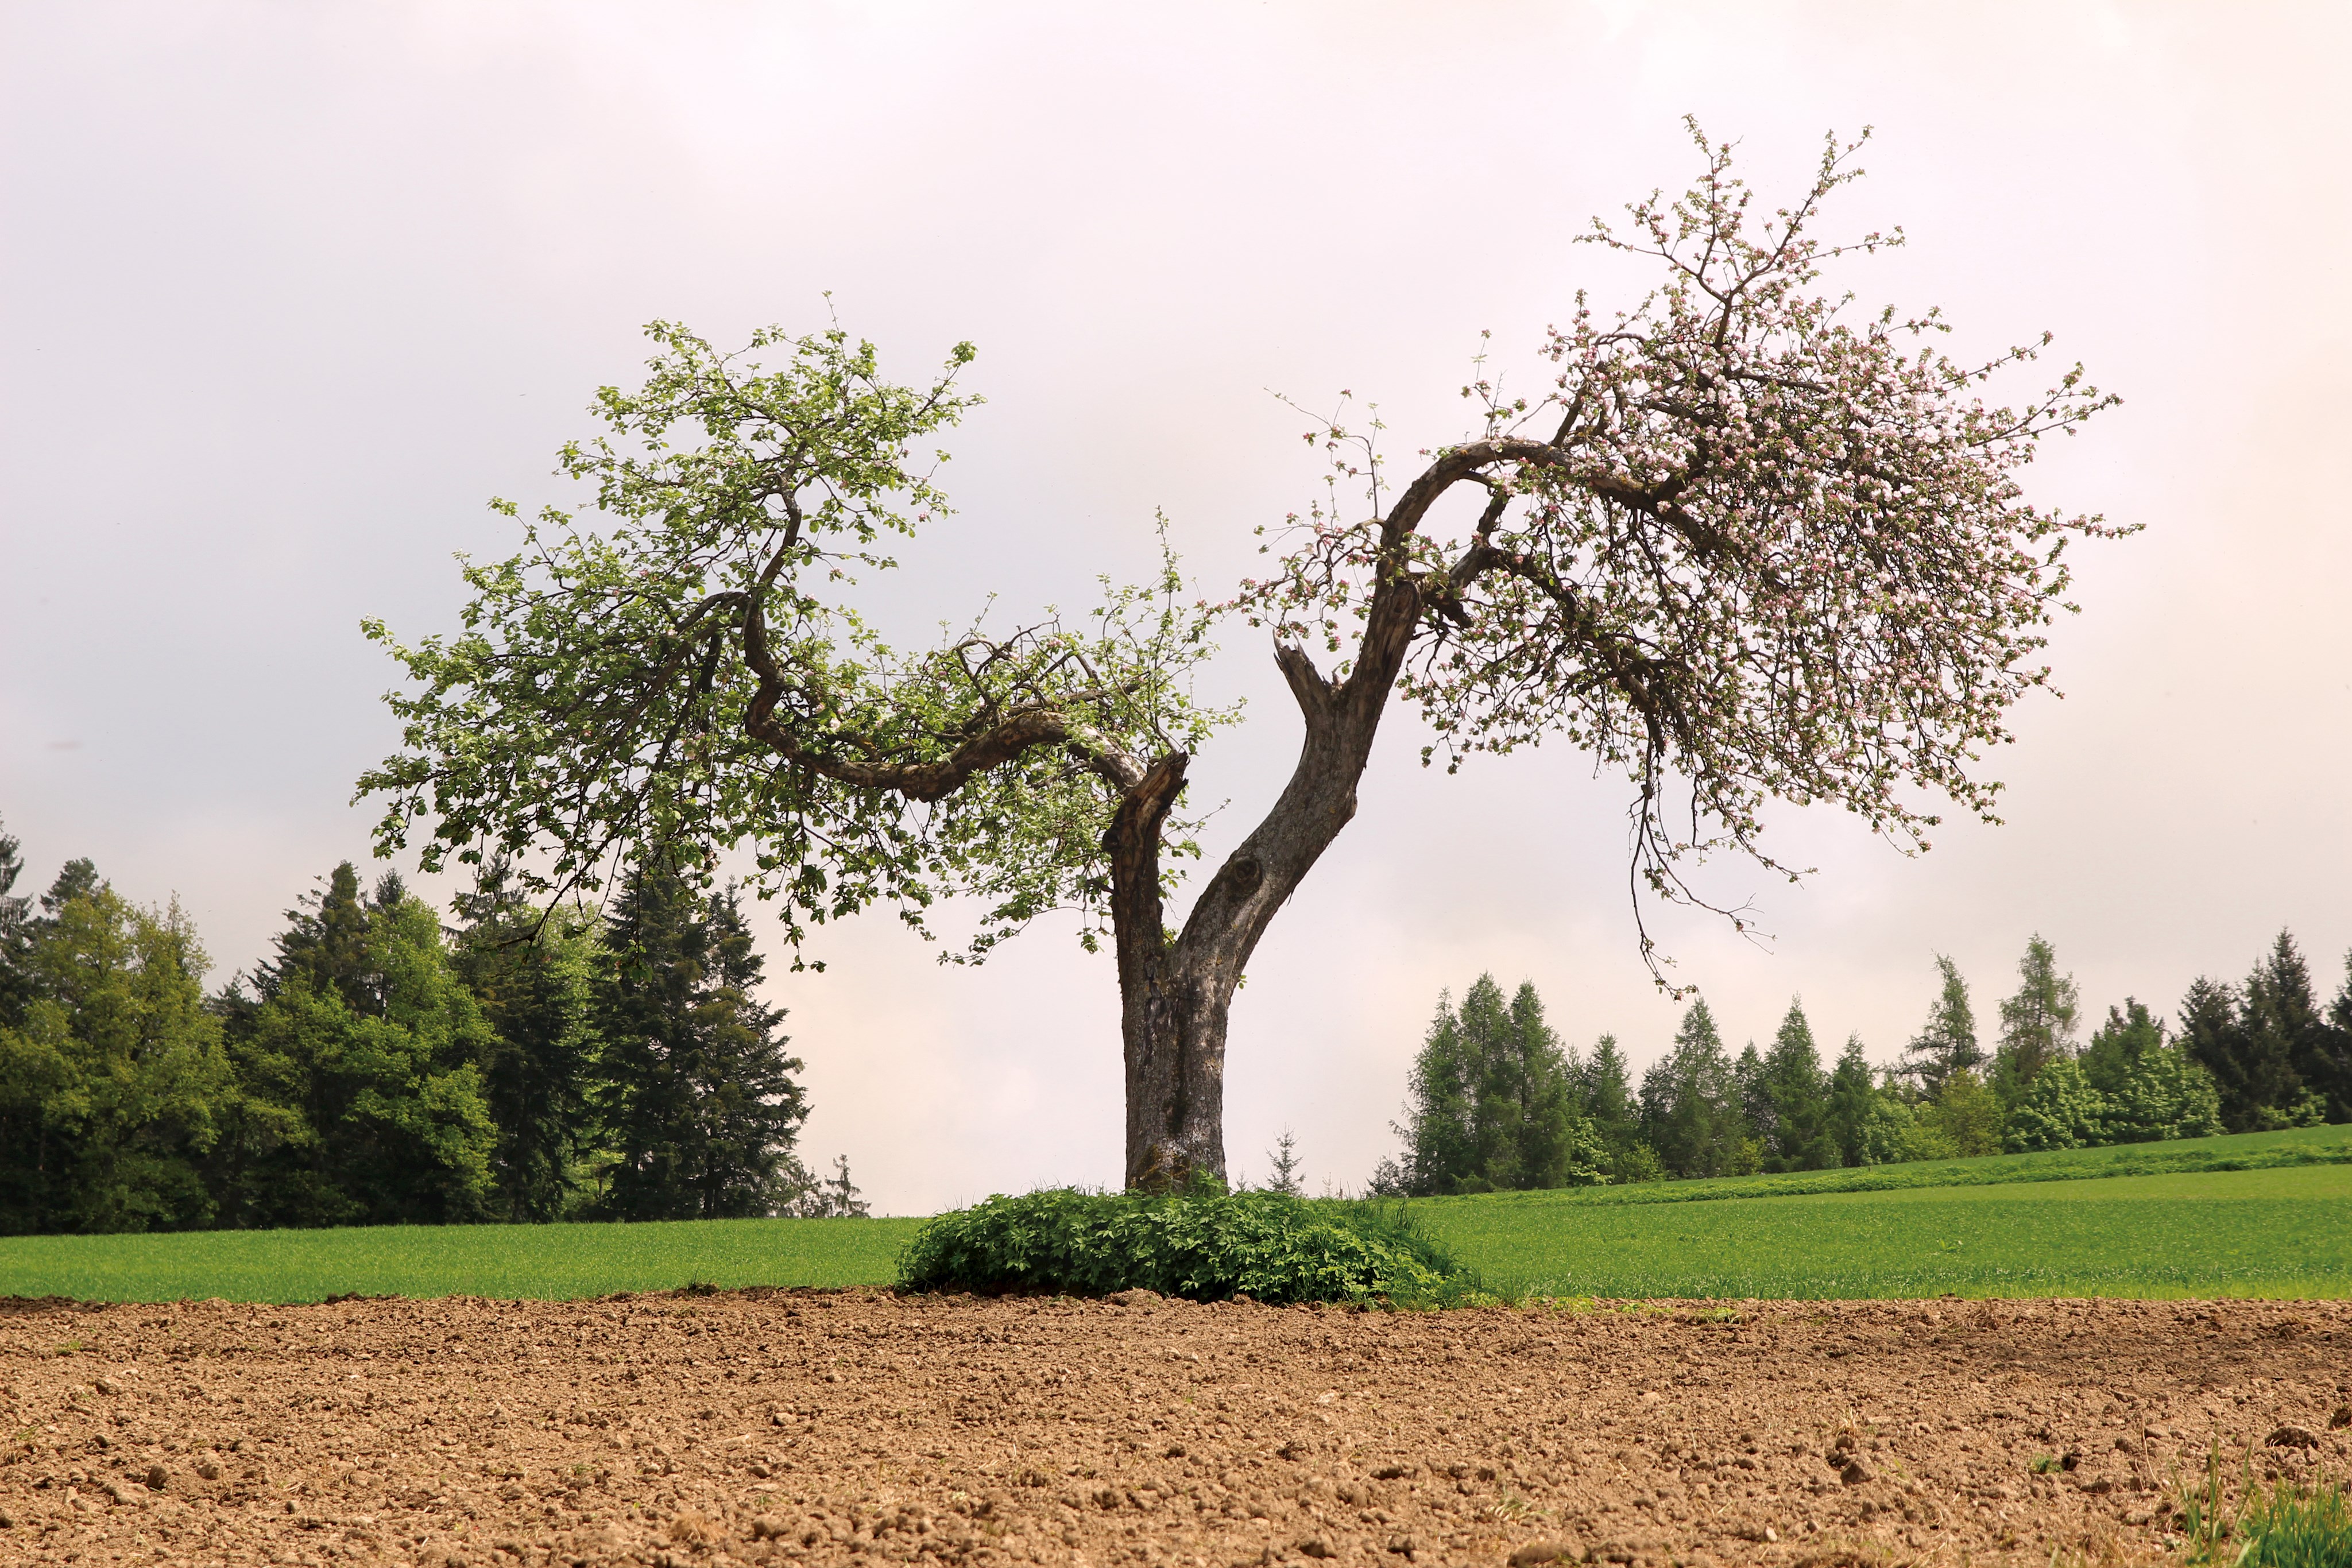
column 1176, row 992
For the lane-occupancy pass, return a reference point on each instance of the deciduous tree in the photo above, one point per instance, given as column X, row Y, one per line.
column 1741, row 542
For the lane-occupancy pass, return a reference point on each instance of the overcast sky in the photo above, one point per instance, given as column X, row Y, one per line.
column 287, row 291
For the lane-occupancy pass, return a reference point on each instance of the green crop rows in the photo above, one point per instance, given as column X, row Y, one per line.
column 2262, row 1215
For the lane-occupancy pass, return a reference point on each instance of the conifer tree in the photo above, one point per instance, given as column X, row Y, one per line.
column 1794, row 1087
column 2130, row 1032
column 1284, row 1159
column 2037, row 1024
column 359, row 1066
column 1948, row 1043
column 1855, row 1120
column 534, row 975
column 15, row 934
column 2282, row 1033
column 697, row 1098
column 1607, row 1092
column 1492, row 1102
column 1690, row 1109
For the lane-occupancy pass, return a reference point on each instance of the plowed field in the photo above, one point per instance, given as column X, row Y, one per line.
column 773, row 1427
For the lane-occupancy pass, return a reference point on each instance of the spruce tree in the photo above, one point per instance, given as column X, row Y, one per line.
column 2283, row 1032
column 1283, row 1160
column 2037, row 1024
column 367, row 1046
column 1439, row 1132
column 1854, row 1120
column 698, row 1103
column 1797, row 1092
column 2130, row 1032
column 16, row 936
column 1948, row 1043
column 1493, row 1104
column 534, row 974
column 2212, row 1032
column 1690, row 1110
column 1607, row 1090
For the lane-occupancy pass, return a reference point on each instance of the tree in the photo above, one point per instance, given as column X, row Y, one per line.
column 1948, row 1043
column 16, row 936
column 1741, row 546
column 1284, row 1158
column 1690, row 1105
column 1492, row 1102
column 2280, row 1025
column 111, row 1076
column 2037, row 1024
column 1795, row 1090
column 2117, row 1045
column 829, row 1198
column 1866, row 1127
column 1966, row 1116
column 1607, row 1093
column 2163, row 1094
column 359, row 1067
column 535, row 978
column 696, row 1096
column 2058, row 1109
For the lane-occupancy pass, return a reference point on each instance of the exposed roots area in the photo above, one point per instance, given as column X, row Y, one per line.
column 773, row 1427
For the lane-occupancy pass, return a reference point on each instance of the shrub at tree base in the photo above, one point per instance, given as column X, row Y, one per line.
column 1204, row 1244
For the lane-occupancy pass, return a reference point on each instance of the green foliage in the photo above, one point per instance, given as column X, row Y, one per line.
column 696, row 1096
column 1204, row 1244
column 1793, row 1094
column 1493, row 1102
column 111, row 1076
column 681, row 666
column 1965, row 1116
column 2163, row 1094
column 359, row 1067
column 2058, row 1110
column 2037, row 1024
column 1948, row 1043
column 2288, row 1524
column 2130, row 1032
column 1690, row 1102
column 534, row 974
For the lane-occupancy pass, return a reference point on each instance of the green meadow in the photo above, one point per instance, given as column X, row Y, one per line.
column 2258, row 1215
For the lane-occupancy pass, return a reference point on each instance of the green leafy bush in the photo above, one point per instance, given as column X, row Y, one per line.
column 1206, row 1244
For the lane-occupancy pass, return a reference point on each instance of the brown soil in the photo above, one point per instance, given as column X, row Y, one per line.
column 794, row 1426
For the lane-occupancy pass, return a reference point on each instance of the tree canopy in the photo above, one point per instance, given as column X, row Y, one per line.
column 1743, row 542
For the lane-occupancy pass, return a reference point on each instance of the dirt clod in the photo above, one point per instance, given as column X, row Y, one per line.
column 771, row 1428
column 2292, row 1437
column 1548, row 1549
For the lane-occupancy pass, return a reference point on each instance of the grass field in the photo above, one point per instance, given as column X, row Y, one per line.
column 2270, row 1233
column 546, row 1262
column 2259, row 1215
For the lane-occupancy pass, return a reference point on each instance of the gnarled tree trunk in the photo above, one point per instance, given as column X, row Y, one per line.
column 1175, row 993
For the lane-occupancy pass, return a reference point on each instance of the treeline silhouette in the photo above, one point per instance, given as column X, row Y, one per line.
column 381, row 1069
column 1496, row 1102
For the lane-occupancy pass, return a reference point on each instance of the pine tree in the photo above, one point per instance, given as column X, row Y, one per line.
column 1284, row 1158
column 1440, row 1143
column 1948, row 1043
column 1607, row 1092
column 2130, row 1032
column 1690, row 1110
column 2281, row 1031
column 359, row 1071
column 2037, row 1024
column 534, row 974
column 1492, row 1104
column 1794, row 1088
column 16, row 936
column 696, row 1097
column 1857, row 1119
